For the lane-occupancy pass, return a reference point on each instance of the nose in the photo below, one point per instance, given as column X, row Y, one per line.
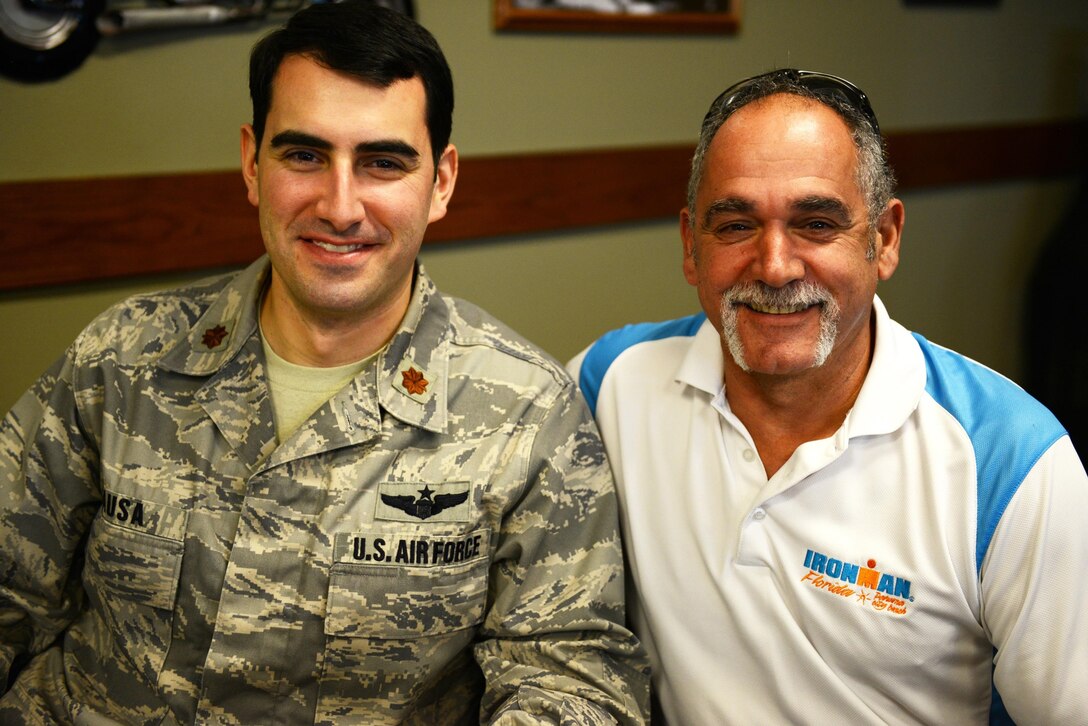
column 777, row 263
column 341, row 202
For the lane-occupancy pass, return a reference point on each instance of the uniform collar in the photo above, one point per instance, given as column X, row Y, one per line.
column 412, row 371
column 224, row 327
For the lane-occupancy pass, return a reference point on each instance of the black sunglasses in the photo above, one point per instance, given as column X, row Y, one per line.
column 822, row 84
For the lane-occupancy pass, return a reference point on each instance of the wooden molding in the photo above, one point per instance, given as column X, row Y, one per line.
column 959, row 156
column 69, row 231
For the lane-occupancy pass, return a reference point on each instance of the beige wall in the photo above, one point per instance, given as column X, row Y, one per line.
column 174, row 102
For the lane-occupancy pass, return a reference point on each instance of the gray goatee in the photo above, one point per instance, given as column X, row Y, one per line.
column 795, row 296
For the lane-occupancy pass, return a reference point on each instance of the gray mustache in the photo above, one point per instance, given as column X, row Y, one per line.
column 794, row 294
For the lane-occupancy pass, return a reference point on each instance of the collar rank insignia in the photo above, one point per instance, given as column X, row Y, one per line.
column 413, row 381
column 427, row 504
column 213, row 337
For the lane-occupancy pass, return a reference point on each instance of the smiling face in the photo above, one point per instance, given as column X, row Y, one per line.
column 345, row 187
column 778, row 245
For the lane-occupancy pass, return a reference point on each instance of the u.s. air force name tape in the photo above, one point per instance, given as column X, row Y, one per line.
column 410, row 549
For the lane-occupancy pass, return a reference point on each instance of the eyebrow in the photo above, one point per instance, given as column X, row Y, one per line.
column 379, row 146
column 727, row 205
column 388, row 146
column 814, row 203
column 298, row 138
column 827, row 205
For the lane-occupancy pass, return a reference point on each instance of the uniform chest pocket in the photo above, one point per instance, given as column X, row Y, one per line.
column 409, row 586
column 402, row 610
column 131, row 578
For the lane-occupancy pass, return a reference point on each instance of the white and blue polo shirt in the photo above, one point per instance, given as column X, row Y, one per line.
column 930, row 550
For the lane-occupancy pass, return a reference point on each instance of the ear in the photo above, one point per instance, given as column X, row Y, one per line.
column 687, row 238
column 445, row 180
column 889, row 230
column 249, row 164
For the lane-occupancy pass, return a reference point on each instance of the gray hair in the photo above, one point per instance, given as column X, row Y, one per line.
column 875, row 177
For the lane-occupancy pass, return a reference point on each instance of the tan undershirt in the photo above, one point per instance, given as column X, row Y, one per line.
column 298, row 391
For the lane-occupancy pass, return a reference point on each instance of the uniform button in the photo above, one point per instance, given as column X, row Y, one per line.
column 749, row 455
column 759, row 514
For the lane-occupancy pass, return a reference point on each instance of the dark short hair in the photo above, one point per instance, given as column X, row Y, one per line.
column 357, row 37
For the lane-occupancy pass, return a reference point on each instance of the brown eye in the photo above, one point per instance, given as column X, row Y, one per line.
column 302, row 156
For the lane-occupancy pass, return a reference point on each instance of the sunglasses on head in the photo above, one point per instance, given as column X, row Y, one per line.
column 822, row 84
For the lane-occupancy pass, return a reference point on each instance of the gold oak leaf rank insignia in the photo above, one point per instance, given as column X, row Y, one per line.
column 414, row 382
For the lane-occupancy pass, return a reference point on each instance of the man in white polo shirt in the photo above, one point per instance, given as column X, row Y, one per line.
column 829, row 519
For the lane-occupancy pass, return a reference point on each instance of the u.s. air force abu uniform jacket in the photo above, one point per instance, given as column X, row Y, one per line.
column 436, row 544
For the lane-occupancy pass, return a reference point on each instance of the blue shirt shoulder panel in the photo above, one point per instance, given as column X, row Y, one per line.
column 608, row 347
column 1009, row 430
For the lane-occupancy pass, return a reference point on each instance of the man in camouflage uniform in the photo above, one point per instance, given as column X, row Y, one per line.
column 190, row 534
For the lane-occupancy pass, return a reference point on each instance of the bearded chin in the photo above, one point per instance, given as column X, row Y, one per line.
column 729, row 332
column 825, row 343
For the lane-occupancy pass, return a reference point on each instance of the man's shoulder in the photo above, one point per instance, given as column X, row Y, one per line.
column 653, row 338
column 147, row 323
column 981, row 399
column 613, row 343
column 474, row 331
column 1008, row 429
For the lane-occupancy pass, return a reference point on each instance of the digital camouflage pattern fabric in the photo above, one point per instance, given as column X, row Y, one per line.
column 437, row 544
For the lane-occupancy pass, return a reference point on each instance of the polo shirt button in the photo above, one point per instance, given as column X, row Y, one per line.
column 749, row 455
column 759, row 514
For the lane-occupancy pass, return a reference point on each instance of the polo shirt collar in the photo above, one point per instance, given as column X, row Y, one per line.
column 892, row 389
column 703, row 366
column 895, row 382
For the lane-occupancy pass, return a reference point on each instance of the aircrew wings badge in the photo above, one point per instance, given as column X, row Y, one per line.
column 414, row 502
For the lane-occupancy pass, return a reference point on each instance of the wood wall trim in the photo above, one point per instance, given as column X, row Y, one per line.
column 70, row 231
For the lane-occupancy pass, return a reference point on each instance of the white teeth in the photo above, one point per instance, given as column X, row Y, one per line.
column 776, row 310
column 341, row 249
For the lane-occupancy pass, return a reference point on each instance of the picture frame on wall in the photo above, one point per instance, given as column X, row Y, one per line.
column 707, row 17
